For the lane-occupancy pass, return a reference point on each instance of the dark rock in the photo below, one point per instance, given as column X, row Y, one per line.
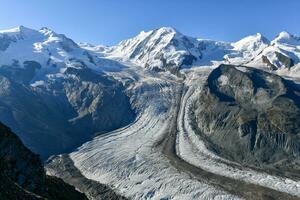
column 63, row 167
column 252, row 117
column 22, row 175
column 268, row 63
column 286, row 61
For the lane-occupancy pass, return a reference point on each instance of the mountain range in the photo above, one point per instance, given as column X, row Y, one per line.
column 138, row 119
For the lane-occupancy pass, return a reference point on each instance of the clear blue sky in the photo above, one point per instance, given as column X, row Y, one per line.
column 109, row 21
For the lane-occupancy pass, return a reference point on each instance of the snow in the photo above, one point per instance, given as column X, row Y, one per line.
column 287, row 38
column 223, row 80
column 38, row 83
column 242, row 69
column 54, row 52
column 150, row 48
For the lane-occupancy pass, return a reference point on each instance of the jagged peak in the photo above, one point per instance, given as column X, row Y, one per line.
column 50, row 33
column 158, row 32
column 46, row 30
column 161, row 30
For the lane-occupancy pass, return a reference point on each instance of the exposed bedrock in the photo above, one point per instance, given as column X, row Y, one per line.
column 252, row 117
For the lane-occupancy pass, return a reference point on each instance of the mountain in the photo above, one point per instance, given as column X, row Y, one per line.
column 167, row 49
column 22, row 174
column 283, row 52
column 54, row 94
column 251, row 117
column 159, row 49
column 247, row 49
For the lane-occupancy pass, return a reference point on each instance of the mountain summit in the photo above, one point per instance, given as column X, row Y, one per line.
column 160, row 48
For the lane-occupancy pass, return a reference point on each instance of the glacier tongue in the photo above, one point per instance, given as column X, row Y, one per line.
column 130, row 160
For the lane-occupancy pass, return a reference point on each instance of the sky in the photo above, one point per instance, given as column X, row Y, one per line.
column 110, row 21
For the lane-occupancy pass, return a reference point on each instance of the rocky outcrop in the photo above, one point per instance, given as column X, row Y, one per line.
column 63, row 167
column 22, row 175
column 266, row 61
column 285, row 60
column 252, row 117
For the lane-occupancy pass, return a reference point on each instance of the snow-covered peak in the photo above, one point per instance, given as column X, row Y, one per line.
column 247, row 49
column 16, row 30
column 283, row 53
column 51, row 52
column 164, row 35
column 162, row 48
column 166, row 29
column 20, row 32
column 47, row 31
column 286, row 38
column 251, row 42
column 159, row 32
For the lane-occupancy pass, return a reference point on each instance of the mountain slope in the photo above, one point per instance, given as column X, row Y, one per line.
column 160, row 49
column 247, row 49
column 54, row 94
column 251, row 117
column 22, row 175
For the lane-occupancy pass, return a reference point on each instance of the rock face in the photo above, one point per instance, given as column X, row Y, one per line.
column 252, row 117
column 63, row 167
column 22, row 175
column 62, row 112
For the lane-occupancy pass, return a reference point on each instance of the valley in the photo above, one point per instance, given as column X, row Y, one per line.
column 158, row 116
